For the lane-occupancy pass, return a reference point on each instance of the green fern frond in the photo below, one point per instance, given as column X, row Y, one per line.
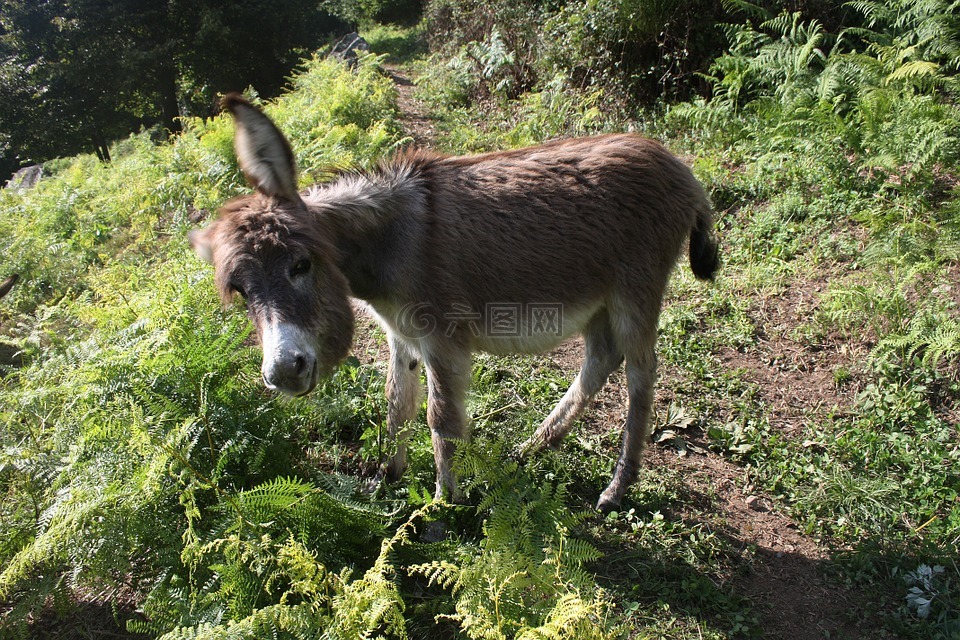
column 916, row 70
column 572, row 618
column 439, row 572
column 268, row 499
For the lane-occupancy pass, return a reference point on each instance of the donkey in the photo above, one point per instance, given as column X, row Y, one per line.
column 508, row 252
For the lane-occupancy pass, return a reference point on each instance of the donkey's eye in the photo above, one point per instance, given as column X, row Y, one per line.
column 299, row 268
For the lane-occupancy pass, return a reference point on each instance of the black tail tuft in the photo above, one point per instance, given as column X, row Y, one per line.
column 704, row 254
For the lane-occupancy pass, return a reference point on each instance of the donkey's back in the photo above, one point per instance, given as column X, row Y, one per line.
column 581, row 224
column 515, row 251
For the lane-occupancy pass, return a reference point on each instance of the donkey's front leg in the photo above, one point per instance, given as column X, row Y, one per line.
column 403, row 400
column 448, row 377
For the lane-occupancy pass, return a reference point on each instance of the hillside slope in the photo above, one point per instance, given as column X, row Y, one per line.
column 803, row 479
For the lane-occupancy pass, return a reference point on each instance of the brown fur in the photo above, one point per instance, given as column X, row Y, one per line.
column 7, row 284
column 440, row 247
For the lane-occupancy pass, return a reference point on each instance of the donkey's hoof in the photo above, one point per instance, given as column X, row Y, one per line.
column 533, row 444
column 449, row 494
column 606, row 504
column 451, row 499
column 526, row 448
column 393, row 471
column 370, row 486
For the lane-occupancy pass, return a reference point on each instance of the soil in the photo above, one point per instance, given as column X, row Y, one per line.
column 413, row 116
column 785, row 577
column 801, row 381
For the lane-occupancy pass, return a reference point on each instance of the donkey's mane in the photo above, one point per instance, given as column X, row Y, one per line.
column 363, row 199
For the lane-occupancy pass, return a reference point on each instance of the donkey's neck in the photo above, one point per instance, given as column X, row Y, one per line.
column 368, row 214
column 365, row 259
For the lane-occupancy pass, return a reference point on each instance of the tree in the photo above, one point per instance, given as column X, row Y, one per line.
column 225, row 47
column 68, row 83
column 77, row 74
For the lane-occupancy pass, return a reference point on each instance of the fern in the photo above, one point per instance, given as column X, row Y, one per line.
column 932, row 337
column 876, row 90
column 151, row 457
column 525, row 578
column 313, row 601
column 572, row 617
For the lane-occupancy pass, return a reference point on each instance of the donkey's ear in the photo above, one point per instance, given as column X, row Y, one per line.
column 266, row 158
column 202, row 244
column 8, row 284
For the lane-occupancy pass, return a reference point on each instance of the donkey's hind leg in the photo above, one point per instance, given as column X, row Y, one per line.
column 602, row 357
column 403, row 401
column 448, row 376
column 641, row 377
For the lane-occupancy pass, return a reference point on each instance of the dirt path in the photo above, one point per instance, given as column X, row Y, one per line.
column 785, row 577
column 413, row 115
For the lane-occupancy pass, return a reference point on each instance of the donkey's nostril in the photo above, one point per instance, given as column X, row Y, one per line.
column 290, row 373
column 300, row 365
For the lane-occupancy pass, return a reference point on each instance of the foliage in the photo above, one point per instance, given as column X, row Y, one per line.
column 77, row 75
column 638, row 52
column 875, row 94
column 495, row 43
column 141, row 454
column 526, row 578
column 142, row 459
column 55, row 81
column 843, row 149
column 554, row 111
column 400, row 45
column 134, row 426
column 370, row 12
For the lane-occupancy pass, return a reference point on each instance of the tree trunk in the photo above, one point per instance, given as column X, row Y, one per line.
column 170, row 105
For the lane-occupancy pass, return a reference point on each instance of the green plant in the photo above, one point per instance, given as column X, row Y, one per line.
column 526, row 578
column 136, row 427
column 401, row 45
column 929, row 595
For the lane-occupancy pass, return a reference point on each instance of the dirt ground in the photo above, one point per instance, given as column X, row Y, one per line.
column 785, row 580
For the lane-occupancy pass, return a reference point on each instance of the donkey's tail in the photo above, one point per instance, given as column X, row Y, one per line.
column 704, row 252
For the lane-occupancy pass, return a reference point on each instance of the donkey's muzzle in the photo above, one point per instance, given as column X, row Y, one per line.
column 289, row 360
column 295, row 377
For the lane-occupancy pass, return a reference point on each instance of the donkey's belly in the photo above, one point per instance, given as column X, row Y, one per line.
column 498, row 328
column 529, row 327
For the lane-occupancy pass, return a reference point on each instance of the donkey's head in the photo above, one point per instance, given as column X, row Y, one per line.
column 269, row 249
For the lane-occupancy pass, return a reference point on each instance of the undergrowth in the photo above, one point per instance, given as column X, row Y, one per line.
column 840, row 168
column 143, row 461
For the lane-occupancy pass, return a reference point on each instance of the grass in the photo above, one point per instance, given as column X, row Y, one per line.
column 142, row 457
